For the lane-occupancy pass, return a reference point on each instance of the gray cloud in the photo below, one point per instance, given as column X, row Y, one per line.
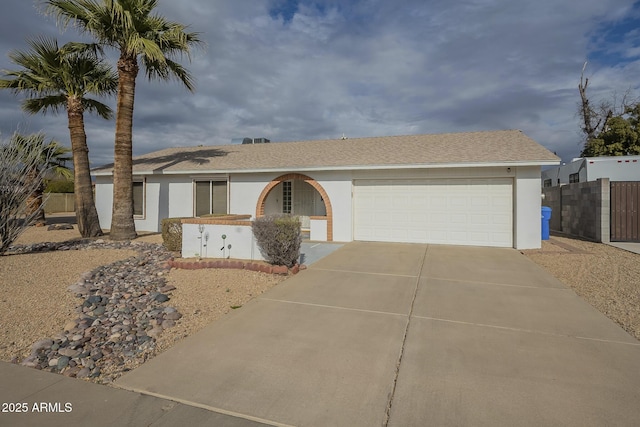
column 363, row 68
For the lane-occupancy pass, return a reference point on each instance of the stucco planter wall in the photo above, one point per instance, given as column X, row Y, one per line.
column 226, row 237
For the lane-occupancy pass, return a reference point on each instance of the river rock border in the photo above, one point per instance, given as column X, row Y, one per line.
column 123, row 311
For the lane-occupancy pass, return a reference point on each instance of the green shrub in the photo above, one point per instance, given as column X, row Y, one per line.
column 278, row 237
column 59, row 186
column 172, row 234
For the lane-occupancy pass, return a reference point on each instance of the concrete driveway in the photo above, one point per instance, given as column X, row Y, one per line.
column 408, row 335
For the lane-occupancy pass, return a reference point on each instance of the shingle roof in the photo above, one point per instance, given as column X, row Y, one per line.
column 468, row 148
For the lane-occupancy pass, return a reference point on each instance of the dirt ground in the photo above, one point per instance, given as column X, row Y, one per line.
column 28, row 287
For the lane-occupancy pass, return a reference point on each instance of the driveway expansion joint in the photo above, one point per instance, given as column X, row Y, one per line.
column 203, row 406
column 528, row 331
column 364, row 272
column 336, row 307
column 387, row 416
column 478, row 282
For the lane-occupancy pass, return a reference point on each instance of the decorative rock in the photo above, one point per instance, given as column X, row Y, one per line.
column 161, row 298
column 70, row 325
column 120, row 301
column 30, row 361
column 83, row 373
column 173, row 316
column 55, row 227
column 62, row 362
column 94, row 299
column 42, row 344
column 68, row 352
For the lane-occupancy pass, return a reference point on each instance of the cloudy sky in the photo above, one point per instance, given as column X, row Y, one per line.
column 298, row 70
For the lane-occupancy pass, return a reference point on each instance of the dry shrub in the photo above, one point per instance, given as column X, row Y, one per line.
column 278, row 237
column 172, row 234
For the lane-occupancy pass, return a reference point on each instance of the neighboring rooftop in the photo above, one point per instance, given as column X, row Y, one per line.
column 504, row 147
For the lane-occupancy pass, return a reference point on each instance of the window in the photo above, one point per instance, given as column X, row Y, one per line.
column 574, row 177
column 211, row 197
column 547, row 183
column 138, row 198
column 286, row 197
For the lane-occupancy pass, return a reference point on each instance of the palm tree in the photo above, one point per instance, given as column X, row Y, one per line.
column 51, row 158
column 56, row 78
column 132, row 27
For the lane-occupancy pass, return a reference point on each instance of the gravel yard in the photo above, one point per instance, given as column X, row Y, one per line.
column 608, row 278
column 35, row 302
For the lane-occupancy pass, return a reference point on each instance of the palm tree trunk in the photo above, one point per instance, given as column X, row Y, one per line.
column 85, row 207
column 122, row 224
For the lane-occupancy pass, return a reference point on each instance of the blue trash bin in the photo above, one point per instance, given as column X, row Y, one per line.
column 546, row 216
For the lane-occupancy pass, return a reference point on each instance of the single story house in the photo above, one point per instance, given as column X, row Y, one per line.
column 584, row 169
column 473, row 188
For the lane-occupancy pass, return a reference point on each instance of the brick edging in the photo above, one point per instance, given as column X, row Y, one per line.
column 238, row 265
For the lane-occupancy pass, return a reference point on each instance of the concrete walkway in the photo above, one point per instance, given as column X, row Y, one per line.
column 378, row 334
column 627, row 246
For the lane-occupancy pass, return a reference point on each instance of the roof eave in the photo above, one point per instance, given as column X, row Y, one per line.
column 348, row 167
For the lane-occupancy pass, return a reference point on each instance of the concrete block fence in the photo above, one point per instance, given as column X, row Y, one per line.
column 581, row 209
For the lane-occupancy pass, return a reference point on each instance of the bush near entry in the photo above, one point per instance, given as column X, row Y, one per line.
column 279, row 238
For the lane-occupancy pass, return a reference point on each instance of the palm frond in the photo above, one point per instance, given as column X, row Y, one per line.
column 45, row 104
column 169, row 70
column 49, row 75
column 97, row 107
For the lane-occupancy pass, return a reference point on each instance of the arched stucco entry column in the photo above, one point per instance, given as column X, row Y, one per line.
column 312, row 182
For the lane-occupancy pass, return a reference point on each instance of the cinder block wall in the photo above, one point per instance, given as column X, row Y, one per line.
column 553, row 199
column 581, row 209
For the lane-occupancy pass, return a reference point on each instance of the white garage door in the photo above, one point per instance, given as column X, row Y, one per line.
column 475, row 212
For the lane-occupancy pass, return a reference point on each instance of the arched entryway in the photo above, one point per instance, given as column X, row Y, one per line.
column 317, row 203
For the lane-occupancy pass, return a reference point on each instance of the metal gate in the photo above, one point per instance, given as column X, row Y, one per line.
column 625, row 204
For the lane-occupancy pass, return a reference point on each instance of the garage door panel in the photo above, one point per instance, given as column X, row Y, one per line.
column 447, row 211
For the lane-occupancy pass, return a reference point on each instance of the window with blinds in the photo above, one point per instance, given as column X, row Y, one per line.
column 211, row 197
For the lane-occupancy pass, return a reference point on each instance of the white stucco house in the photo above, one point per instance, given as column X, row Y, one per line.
column 583, row 169
column 473, row 188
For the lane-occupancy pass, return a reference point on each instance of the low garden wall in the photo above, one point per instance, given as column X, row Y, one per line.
column 219, row 237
